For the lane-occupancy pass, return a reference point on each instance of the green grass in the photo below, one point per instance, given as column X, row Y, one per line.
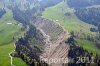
column 7, row 32
column 71, row 23
column 4, row 56
column 90, row 46
column 18, row 62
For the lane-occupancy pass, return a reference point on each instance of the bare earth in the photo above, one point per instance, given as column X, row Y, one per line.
column 56, row 49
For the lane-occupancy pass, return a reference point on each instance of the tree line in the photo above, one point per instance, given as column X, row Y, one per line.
column 80, row 56
column 89, row 15
column 2, row 12
column 82, row 3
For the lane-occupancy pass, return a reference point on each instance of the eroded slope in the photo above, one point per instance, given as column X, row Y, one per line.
column 44, row 40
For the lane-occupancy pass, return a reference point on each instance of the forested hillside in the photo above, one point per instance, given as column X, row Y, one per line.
column 82, row 3
column 89, row 15
column 48, row 3
column 2, row 12
column 87, row 11
column 32, row 32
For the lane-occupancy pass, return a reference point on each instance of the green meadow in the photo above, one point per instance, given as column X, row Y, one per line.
column 9, row 32
column 69, row 22
column 4, row 56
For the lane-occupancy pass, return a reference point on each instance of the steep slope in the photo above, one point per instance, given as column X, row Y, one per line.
column 66, row 17
column 9, row 32
column 40, row 41
column 44, row 40
column 55, row 47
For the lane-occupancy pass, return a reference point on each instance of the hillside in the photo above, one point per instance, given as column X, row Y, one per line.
column 40, row 39
column 44, row 41
column 49, row 33
column 9, row 32
column 66, row 17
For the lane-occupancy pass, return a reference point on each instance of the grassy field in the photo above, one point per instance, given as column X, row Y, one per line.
column 8, row 30
column 4, row 56
column 88, row 45
column 71, row 23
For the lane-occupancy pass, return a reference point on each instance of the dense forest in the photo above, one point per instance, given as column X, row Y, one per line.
column 24, row 17
column 29, row 48
column 82, row 3
column 81, row 57
column 2, row 12
column 48, row 3
column 89, row 15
